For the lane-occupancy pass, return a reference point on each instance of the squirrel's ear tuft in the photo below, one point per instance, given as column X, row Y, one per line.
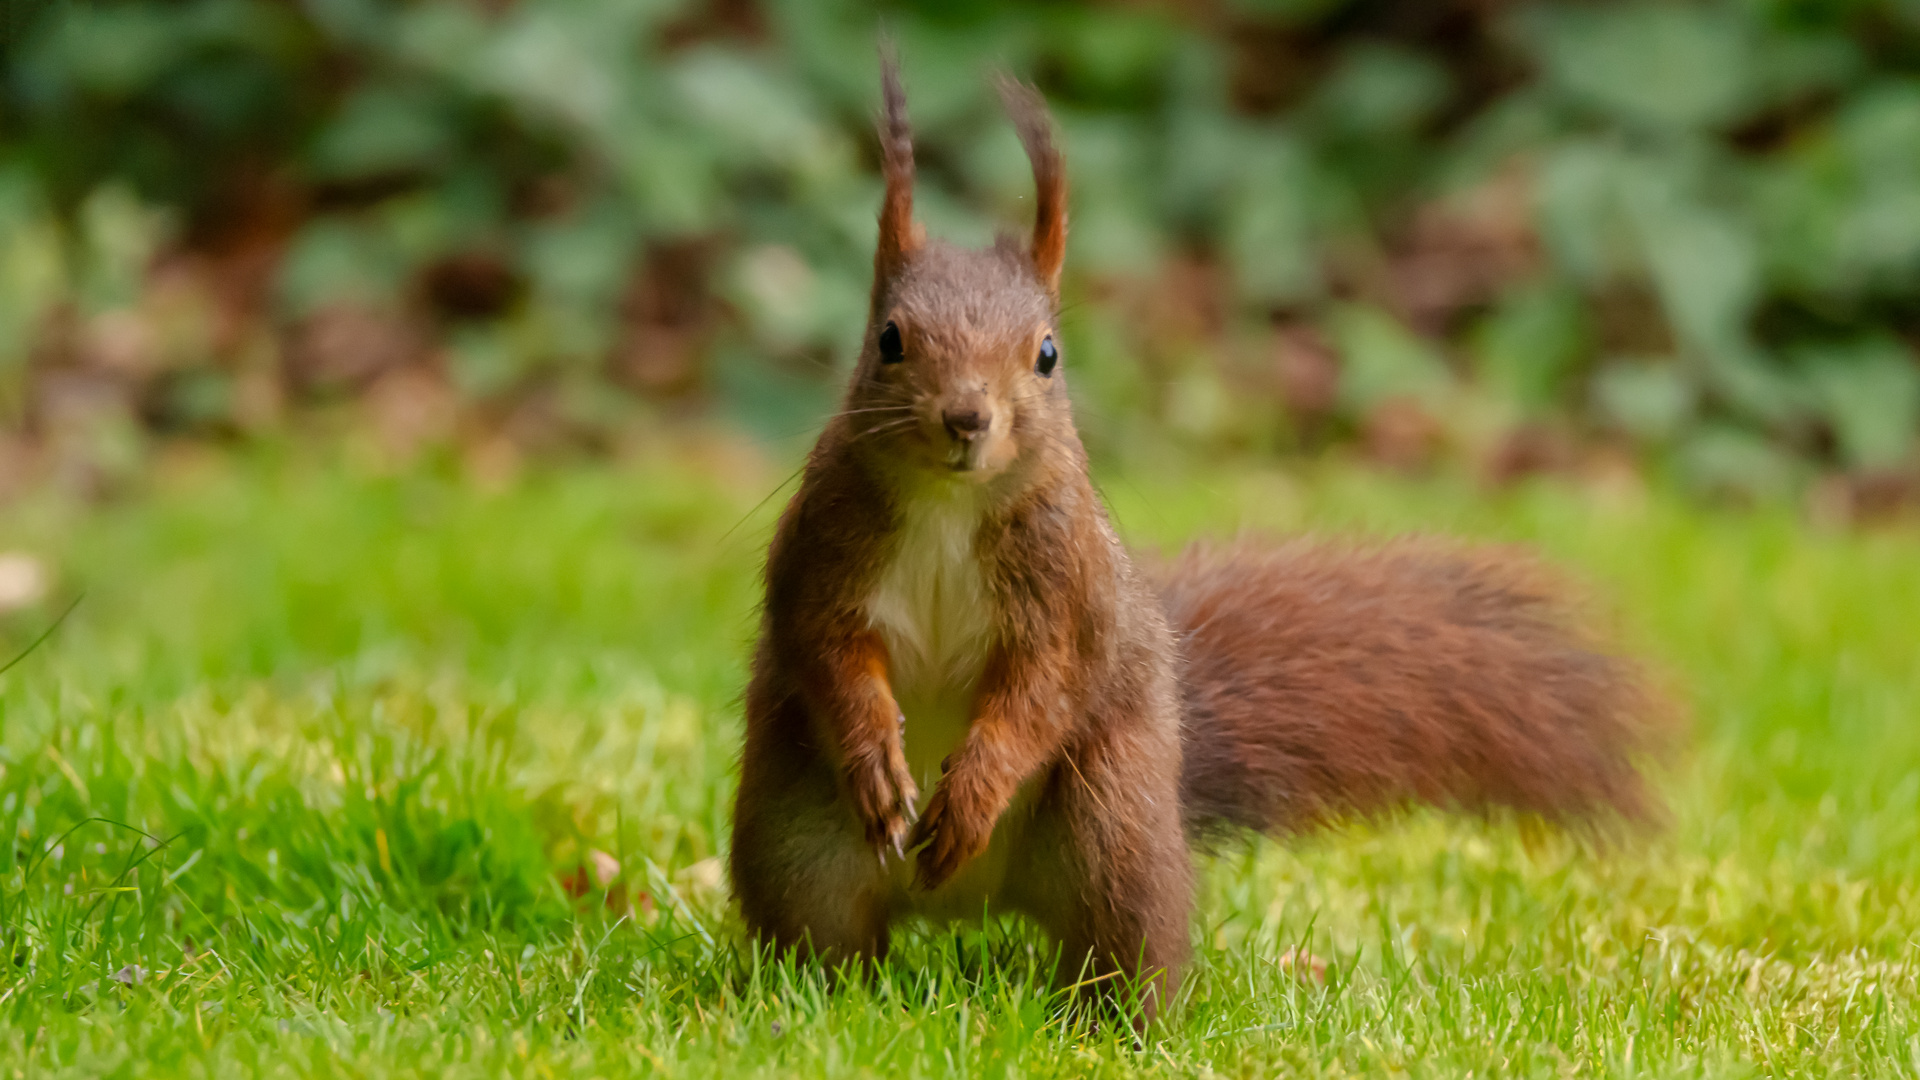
column 898, row 233
column 1029, row 112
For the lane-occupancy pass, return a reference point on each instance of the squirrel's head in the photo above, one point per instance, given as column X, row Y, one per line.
column 961, row 374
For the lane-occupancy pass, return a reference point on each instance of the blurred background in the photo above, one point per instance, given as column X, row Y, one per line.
column 1677, row 240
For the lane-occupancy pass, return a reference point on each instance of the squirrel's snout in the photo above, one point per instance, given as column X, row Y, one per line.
column 967, row 425
column 977, row 440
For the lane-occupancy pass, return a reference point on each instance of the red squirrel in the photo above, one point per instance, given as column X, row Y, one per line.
column 967, row 697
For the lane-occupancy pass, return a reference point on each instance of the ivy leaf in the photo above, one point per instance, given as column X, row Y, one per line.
column 1869, row 391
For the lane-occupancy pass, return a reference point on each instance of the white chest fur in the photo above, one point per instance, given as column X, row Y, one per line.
column 931, row 606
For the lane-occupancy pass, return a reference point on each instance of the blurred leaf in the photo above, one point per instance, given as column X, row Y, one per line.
column 1704, row 264
column 552, row 62
column 1800, row 203
column 486, row 360
column 1115, row 55
column 672, row 178
column 1880, row 129
column 1287, row 11
column 1206, row 156
column 1113, row 230
column 1724, row 461
column 109, row 49
column 1112, row 395
column 119, row 236
column 337, row 259
column 360, row 21
column 1649, row 399
column 1530, row 343
column 426, row 225
column 1877, row 231
column 444, row 38
column 1381, row 359
column 197, row 399
column 585, row 256
column 766, row 398
column 383, row 129
column 1380, row 90
column 778, row 291
column 1269, row 222
column 1645, row 62
column 1871, row 393
column 958, row 221
column 945, row 61
column 1201, row 138
column 757, row 118
column 1796, row 61
column 1583, row 218
column 33, row 265
column 1198, row 402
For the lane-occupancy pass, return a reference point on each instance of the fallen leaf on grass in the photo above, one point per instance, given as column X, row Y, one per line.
column 1304, row 966
column 23, row 581
column 705, row 875
column 598, row 871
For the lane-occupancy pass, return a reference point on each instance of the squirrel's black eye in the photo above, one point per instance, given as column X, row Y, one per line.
column 891, row 351
column 1049, row 357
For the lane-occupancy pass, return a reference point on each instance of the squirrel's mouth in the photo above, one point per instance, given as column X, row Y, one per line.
column 971, row 459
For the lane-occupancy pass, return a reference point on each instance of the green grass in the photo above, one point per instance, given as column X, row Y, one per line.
column 294, row 790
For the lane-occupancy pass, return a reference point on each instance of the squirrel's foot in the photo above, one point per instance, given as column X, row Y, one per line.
column 946, row 837
column 883, row 795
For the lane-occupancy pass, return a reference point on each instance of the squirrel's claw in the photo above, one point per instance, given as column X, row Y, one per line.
column 883, row 794
column 943, row 841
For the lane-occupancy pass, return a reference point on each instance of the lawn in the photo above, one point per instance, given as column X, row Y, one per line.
column 339, row 769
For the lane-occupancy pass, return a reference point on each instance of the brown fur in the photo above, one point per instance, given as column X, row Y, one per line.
column 1326, row 681
column 899, row 236
column 946, row 555
column 1029, row 113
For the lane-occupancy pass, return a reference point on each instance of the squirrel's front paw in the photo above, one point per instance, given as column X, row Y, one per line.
column 947, row 836
column 883, row 795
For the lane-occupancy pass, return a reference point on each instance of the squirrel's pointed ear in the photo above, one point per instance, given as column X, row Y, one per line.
column 898, row 233
column 1029, row 112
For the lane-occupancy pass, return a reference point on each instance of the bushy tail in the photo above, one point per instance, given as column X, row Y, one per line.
column 1327, row 681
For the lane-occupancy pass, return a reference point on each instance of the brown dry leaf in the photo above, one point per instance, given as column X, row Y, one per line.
column 1304, row 966
column 1400, row 434
column 1528, row 450
column 1182, row 304
column 667, row 316
column 1463, row 251
column 121, row 341
column 1839, row 501
column 69, row 401
column 493, row 462
column 605, row 867
column 1308, row 370
column 412, row 408
column 350, row 344
column 706, row 875
column 24, row 581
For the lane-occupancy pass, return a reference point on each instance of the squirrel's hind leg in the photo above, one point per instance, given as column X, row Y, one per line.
column 804, row 875
column 1111, row 876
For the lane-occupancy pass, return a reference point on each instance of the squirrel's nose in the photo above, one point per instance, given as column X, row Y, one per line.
column 967, row 425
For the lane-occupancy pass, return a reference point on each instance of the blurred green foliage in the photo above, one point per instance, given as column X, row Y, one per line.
column 1692, row 229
